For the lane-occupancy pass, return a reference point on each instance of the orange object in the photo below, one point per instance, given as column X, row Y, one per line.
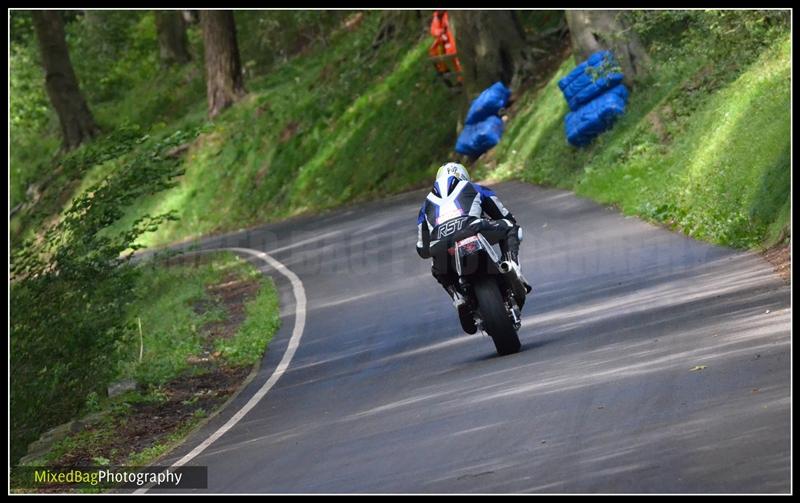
column 443, row 51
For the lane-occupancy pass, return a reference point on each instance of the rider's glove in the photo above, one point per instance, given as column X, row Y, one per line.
column 423, row 252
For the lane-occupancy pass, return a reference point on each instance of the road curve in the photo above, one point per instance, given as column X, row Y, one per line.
column 650, row 363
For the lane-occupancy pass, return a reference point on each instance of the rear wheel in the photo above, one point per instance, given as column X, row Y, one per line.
column 496, row 320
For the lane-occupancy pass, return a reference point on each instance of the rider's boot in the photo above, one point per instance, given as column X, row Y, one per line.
column 513, row 257
column 464, row 312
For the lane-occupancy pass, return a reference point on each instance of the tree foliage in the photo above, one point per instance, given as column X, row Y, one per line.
column 113, row 51
column 71, row 286
column 718, row 33
column 272, row 37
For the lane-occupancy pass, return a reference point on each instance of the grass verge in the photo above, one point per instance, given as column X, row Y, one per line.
column 206, row 321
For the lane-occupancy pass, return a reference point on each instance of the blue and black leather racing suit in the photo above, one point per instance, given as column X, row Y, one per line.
column 468, row 199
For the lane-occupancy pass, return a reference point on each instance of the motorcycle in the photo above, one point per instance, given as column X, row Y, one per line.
column 493, row 288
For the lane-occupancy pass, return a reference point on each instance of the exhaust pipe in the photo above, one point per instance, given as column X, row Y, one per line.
column 509, row 272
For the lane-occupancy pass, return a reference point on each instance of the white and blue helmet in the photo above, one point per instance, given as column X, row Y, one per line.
column 448, row 178
column 453, row 169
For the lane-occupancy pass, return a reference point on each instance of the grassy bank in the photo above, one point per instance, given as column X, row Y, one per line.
column 204, row 322
column 324, row 130
column 704, row 147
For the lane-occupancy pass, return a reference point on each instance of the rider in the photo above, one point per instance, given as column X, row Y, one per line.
column 454, row 195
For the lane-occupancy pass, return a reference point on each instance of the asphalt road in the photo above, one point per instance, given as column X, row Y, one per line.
column 385, row 394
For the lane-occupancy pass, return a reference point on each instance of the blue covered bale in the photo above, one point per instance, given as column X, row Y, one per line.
column 597, row 116
column 488, row 103
column 476, row 139
column 599, row 73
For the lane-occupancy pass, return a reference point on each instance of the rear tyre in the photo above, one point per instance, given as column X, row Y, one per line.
column 496, row 321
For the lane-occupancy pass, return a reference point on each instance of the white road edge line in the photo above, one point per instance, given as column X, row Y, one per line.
column 294, row 341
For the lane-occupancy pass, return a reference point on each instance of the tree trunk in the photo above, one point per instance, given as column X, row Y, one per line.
column 77, row 123
column 491, row 47
column 224, row 80
column 172, row 41
column 191, row 16
column 598, row 30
